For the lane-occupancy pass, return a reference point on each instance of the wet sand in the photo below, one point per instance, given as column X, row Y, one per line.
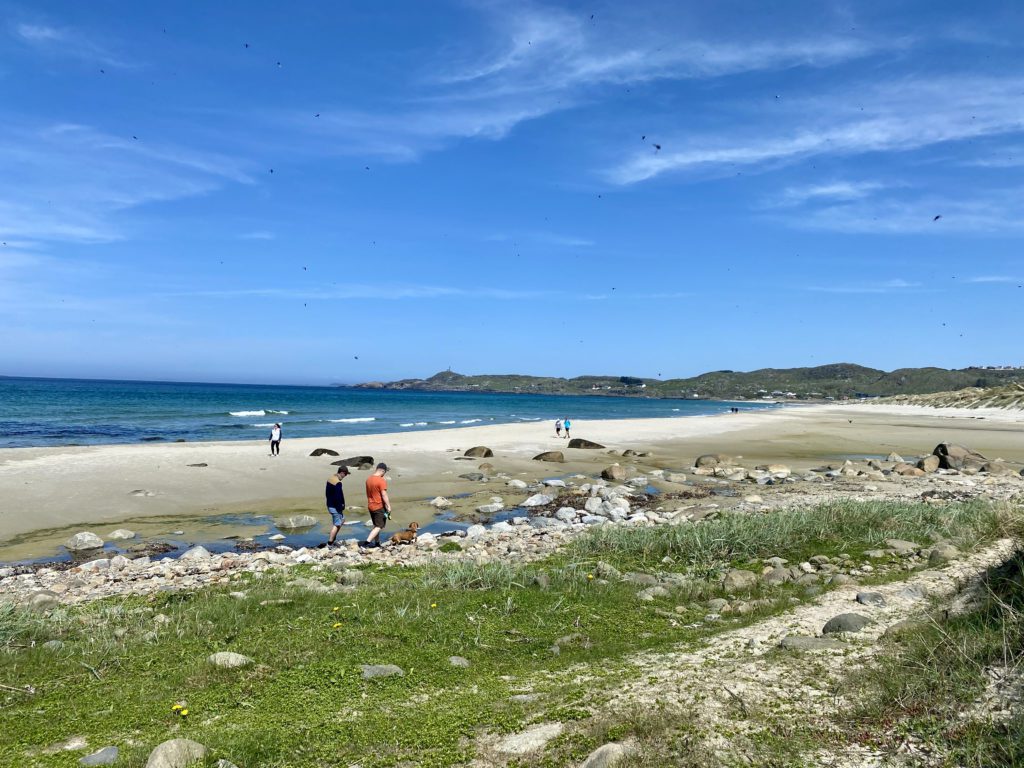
column 50, row 493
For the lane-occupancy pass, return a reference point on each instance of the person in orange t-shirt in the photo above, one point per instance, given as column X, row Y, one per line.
column 378, row 503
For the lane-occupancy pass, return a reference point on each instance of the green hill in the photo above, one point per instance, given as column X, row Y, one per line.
column 837, row 380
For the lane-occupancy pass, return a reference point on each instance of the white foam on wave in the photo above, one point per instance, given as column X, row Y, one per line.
column 283, row 413
column 407, row 424
column 263, row 425
column 470, row 421
column 528, row 418
column 675, row 409
column 447, row 422
column 353, row 420
column 247, row 413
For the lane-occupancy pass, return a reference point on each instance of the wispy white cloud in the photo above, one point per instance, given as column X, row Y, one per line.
column 894, row 117
column 259, row 234
column 888, row 286
column 983, row 212
column 543, row 60
column 354, row 291
column 69, row 182
column 540, row 237
column 836, row 190
column 994, row 279
column 66, row 42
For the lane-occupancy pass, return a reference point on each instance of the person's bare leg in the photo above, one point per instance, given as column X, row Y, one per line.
column 334, row 534
column 373, row 535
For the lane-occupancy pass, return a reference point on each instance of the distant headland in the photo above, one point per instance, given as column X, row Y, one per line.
column 824, row 382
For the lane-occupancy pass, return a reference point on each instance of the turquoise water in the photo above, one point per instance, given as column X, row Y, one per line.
column 39, row 412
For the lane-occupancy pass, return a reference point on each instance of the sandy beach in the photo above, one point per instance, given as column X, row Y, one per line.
column 50, row 493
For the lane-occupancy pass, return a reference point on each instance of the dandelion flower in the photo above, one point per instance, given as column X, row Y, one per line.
column 177, row 708
column 433, row 605
column 590, row 575
column 184, row 713
column 336, row 625
column 335, row 609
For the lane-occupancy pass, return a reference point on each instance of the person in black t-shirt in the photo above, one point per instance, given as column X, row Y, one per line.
column 336, row 502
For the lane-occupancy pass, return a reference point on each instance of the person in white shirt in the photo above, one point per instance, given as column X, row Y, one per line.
column 275, row 440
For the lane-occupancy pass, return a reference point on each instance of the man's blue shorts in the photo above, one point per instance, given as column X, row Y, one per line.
column 337, row 518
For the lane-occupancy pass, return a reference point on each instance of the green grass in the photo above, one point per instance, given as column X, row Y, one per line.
column 125, row 662
column 930, row 677
column 828, row 529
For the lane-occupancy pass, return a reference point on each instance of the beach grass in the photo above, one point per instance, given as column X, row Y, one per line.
column 528, row 630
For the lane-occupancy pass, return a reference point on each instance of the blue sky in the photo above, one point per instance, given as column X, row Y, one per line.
column 330, row 192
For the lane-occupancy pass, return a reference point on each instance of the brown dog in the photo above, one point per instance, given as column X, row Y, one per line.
column 407, row 536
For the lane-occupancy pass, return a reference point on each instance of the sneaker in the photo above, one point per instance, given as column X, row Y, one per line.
column 364, row 544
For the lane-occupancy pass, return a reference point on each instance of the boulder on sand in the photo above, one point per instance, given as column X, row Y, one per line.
column 176, row 753
column 479, row 452
column 550, row 456
column 323, row 452
column 83, row 541
column 579, row 442
column 359, row 462
column 614, row 472
column 953, row 456
column 712, row 460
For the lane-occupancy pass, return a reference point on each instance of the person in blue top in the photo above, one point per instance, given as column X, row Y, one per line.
column 336, row 503
column 566, row 425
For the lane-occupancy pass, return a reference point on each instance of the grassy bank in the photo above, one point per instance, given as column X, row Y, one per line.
column 954, row 682
column 125, row 663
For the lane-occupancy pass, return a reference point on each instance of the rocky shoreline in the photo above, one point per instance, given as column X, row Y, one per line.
column 555, row 512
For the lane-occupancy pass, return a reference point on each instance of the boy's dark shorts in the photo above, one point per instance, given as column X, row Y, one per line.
column 378, row 519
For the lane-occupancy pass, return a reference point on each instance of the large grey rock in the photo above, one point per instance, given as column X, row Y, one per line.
column 479, row 452
column 458, row 661
column 490, row 509
column 712, row 460
column 902, row 547
column 614, row 472
column 473, row 476
column 229, row 660
column 371, row 671
column 195, row 553
column 943, row 553
column 475, row 530
column 296, row 521
column 607, row 756
column 121, row 534
column 845, row 622
column 579, row 442
column 83, row 541
column 996, row 468
column 359, row 462
column 556, row 456
column 537, row 500
column 316, row 452
column 42, row 600
column 176, row 753
column 440, row 502
column 870, row 598
column 310, row 585
column 105, row 756
column 953, row 456
column 797, row 643
column 929, row 463
column 530, row 740
column 739, row 580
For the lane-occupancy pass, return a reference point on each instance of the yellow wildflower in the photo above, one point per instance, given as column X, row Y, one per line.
column 336, row 625
column 184, row 713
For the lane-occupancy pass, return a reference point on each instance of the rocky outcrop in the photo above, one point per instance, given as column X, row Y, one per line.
column 83, row 541
column 556, row 456
column 479, row 452
column 953, row 456
column 359, row 462
column 579, row 442
column 322, row 452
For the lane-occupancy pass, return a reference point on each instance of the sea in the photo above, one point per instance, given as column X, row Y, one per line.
column 57, row 412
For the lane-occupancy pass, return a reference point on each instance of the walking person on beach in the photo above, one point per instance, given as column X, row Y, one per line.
column 275, row 440
column 558, row 428
column 336, row 503
column 378, row 503
column 567, row 424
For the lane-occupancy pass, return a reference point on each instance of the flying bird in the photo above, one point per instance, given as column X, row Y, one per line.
column 317, row 115
column 246, row 45
column 657, row 147
column 271, row 170
column 937, row 217
column 356, row 357
column 279, row 63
